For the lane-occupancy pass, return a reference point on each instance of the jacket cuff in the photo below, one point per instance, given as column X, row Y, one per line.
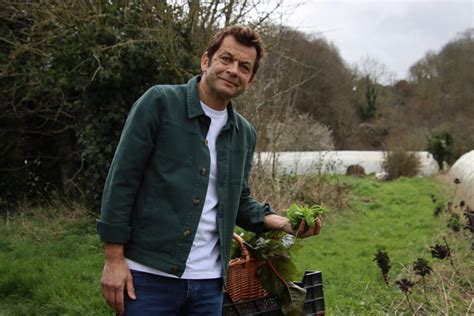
column 267, row 209
column 114, row 234
column 258, row 218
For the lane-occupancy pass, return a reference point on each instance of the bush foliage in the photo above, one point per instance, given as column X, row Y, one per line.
column 401, row 164
column 70, row 71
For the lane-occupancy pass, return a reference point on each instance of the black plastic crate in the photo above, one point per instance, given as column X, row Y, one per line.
column 268, row 305
column 271, row 306
column 314, row 303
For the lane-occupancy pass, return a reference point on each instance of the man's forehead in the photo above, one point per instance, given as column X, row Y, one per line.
column 237, row 55
column 237, row 50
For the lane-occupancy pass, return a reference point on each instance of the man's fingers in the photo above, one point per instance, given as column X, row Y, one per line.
column 109, row 296
column 316, row 229
column 301, row 228
column 115, row 301
column 305, row 231
column 119, row 305
column 115, row 295
column 112, row 297
column 317, row 226
column 103, row 291
column 112, row 300
column 130, row 288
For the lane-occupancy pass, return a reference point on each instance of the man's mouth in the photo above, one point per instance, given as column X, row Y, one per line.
column 229, row 81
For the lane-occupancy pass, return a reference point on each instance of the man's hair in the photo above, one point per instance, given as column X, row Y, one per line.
column 244, row 35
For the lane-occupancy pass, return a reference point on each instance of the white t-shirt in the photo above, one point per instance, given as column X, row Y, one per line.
column 204, row 259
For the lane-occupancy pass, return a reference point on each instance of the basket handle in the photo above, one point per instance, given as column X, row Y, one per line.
column 243, row 249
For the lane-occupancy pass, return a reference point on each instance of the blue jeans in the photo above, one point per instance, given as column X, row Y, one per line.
column 158, row 295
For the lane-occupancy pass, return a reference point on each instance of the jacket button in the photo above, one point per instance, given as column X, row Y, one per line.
column 174, row 269
column 196, row 201
column 204, row 142
column 186, row 233
column 203, row 171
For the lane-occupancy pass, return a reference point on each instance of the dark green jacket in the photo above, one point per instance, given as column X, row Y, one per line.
column 157, row 182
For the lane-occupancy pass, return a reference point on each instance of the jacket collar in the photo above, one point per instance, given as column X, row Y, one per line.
column 194, row 103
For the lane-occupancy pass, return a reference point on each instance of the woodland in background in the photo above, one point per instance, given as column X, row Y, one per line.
column 71, row 70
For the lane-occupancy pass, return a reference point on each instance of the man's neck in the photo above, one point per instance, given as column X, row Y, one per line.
column 211, row 100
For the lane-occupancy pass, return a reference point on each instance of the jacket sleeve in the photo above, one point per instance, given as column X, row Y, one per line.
column 251, row 213
column 125, row 173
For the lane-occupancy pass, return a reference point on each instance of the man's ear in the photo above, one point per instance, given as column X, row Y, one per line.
column 204, row 62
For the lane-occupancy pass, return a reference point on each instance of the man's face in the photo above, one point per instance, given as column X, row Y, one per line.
column 229, row 72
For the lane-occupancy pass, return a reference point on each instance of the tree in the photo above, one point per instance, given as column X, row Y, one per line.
column 442, row 97
column 369, row 75
column 301, row 95
column 368, row 109
column 72, row 69
column 441, row 147
column 305, row 73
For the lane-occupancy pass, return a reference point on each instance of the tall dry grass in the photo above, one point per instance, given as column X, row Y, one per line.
column 281, row 190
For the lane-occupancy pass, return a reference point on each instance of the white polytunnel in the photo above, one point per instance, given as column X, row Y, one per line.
column 336, row 162
column 463, row 169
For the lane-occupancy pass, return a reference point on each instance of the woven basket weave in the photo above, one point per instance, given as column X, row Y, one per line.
column 242, row 282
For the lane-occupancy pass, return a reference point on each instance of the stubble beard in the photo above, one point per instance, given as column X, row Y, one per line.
column 223, row 89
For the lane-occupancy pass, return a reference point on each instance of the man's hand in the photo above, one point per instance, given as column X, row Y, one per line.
column 116, row 277
column 306, row 231
column 277, row 222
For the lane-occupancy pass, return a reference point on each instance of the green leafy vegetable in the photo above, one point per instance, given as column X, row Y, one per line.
column 294, row 306
column 275, row 248
column 297, row 213
column 278, row 270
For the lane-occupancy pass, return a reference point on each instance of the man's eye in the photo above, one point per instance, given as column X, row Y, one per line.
column 226, row 59
column 245, row 69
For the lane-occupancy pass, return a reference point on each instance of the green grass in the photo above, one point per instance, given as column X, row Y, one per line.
column 394, row 216
column 51, row 258
column 50, row 264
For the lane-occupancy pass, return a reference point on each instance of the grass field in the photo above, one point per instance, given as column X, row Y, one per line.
column 50, row 264
column 51, row 258
column 398, row 218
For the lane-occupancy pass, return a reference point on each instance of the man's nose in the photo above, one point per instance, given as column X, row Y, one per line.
column 233, row 68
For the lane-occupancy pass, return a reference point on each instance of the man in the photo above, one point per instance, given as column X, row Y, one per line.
column 178, row 184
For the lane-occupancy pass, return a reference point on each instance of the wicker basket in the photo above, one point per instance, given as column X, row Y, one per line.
column 242, row 282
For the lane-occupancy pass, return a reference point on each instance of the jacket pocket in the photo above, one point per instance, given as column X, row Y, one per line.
column 176, row 141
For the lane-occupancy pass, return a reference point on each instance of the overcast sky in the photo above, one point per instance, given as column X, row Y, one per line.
column 396, row 33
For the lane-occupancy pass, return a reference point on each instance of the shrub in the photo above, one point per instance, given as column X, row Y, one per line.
column 282, row 190
column 440, row 145
column 299, row 133
column 401, row 164
column 383, row 261
column 355, row 170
